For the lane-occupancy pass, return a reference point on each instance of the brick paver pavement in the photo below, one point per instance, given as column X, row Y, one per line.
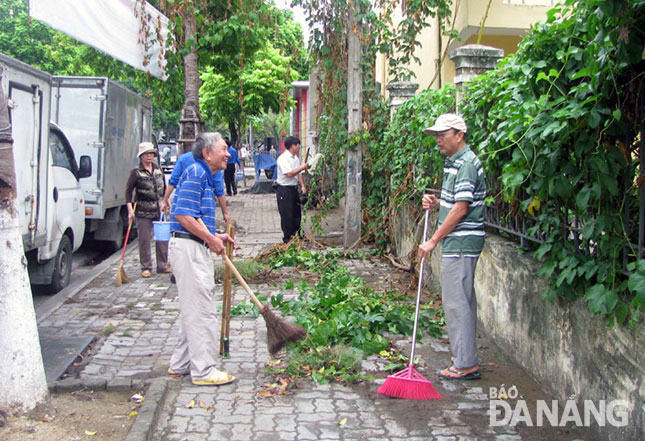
column 136, row 326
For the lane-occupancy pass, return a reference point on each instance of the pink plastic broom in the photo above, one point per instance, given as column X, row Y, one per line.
column 409, row 383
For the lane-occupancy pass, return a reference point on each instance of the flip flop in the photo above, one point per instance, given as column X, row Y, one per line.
column 456, row 374
column 216, row 378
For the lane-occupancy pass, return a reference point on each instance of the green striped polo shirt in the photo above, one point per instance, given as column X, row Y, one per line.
column 463, row 180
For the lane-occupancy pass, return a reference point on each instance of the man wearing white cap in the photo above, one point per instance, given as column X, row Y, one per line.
column 461, row 233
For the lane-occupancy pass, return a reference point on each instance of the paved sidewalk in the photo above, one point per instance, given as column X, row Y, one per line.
column 137, row 329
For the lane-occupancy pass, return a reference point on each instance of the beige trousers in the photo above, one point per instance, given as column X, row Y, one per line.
column 197, row 349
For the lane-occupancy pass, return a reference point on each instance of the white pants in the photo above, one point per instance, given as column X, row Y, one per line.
column 197, row 349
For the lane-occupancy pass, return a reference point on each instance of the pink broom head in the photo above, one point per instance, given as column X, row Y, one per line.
column 410, row 385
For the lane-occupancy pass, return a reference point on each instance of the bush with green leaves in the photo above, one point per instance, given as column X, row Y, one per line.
column 557, row 129
column 557, row 126
column 404, row 161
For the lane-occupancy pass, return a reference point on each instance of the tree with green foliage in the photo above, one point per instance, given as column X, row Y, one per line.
column 378, row 34
column 259, row 87
column 558, row 127
column 49, row 50
column 222, row 36
column 34, row 43
column 270, row 124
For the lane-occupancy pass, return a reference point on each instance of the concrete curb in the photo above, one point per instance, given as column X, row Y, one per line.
column 121, row 384
column 145, row 424
column 147, row 417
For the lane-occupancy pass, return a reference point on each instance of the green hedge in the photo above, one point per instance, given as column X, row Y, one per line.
column 557, row 127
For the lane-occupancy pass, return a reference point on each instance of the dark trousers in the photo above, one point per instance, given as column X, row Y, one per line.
column 229, row 179
column 144, row 232
column 290, row 211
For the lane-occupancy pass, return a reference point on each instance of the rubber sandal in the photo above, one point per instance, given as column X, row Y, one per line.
column 173, row 372
column 459, row 375
column 216, row 378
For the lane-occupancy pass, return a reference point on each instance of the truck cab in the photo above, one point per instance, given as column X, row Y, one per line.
column 49, row 198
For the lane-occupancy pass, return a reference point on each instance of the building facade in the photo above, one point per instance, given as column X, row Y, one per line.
column 506, row 23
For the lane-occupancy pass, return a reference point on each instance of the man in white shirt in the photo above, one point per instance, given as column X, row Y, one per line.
column 289, row 176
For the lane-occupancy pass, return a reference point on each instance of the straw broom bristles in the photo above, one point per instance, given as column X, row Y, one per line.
column 280, row 331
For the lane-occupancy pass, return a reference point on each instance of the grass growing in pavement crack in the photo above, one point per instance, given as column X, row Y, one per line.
column 109, row 329
column 249, row 269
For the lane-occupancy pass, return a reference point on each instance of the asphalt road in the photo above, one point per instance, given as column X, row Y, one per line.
column 86, row 261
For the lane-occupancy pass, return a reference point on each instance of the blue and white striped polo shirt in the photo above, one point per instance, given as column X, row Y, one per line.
column 195, row 196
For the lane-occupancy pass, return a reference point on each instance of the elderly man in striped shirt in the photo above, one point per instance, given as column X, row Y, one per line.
column 461, row 231
column 189, row 253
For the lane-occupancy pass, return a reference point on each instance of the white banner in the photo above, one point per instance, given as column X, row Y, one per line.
column 111, row 26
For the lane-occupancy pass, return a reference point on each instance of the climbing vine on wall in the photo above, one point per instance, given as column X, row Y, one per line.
column 404, row 161
column 558, row 126
column 378, row 33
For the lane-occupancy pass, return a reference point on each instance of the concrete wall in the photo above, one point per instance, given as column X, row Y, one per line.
column 570, row 351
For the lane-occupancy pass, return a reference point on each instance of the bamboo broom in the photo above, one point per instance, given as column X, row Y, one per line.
column 279, row 331
column 121, row 277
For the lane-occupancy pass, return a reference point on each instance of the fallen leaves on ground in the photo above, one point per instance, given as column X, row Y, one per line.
column 192, row 404
column 282, row 386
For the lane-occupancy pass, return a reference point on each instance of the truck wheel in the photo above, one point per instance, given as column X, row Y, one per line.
column 62, row 266
column 117, row 243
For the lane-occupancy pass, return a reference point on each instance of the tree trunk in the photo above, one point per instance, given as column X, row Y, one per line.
column 190, row 123
column 23, row 385
column 232, row 128
column 354, row 155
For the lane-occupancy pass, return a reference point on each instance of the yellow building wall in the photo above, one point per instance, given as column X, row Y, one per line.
column 507, row 22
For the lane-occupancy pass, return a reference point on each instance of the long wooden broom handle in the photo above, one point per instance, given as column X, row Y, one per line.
column 237, row 274
column 243, row 282
column 127, row 235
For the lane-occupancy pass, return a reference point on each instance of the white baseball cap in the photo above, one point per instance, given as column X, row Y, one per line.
column 445, row 122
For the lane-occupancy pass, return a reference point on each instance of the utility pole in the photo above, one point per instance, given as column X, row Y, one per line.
column 23, row 385
column 354, row 155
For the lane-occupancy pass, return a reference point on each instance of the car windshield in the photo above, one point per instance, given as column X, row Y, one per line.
column 168, row 153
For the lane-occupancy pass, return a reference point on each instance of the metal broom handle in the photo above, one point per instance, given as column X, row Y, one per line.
column 419, row 287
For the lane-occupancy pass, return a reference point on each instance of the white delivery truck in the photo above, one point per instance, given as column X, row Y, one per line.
column 105, row 121
column 49, row 196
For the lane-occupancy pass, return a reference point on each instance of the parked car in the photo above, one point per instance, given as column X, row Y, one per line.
column 167, row 155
